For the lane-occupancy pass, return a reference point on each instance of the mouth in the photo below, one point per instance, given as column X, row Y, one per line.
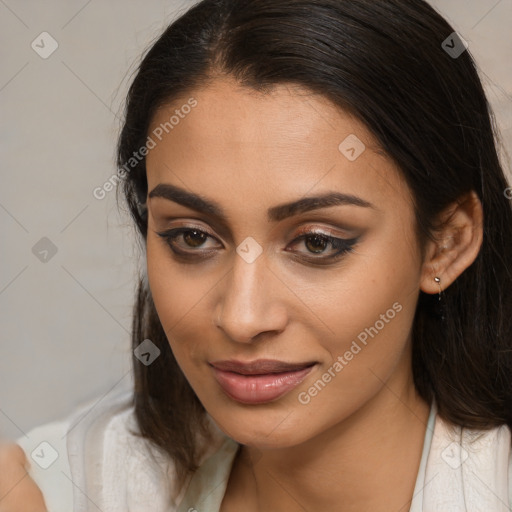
column 259, row 381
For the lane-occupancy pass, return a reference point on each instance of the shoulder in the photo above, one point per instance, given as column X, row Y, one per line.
column 45, row 449
column 95, row 455
column 469, row 466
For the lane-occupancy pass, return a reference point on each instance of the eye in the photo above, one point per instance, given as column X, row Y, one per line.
column 192, row 238
column 317, row 243
column 189, row 242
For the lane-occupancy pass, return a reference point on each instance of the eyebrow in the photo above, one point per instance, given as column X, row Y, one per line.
column 274, row 214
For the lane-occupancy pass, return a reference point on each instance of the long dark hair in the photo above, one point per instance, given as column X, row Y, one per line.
column 384, row 61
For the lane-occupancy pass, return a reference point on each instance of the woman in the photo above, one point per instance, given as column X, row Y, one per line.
column 325, row 320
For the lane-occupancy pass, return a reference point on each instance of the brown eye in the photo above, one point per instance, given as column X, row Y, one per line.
column 190, row 243
column 316, row 243
column 194, row 238
column 190, row 239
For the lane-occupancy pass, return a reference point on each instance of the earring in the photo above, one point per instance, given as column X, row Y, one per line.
column 440, row 306
column 438, row 281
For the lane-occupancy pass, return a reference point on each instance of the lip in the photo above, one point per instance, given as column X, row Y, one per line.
column 260, row 381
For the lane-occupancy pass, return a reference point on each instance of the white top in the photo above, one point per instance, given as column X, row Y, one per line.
column 93, row 461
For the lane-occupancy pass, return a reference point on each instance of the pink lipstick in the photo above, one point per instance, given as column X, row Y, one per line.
column 259, row 381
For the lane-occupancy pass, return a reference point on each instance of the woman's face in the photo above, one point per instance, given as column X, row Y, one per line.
column 287, row 314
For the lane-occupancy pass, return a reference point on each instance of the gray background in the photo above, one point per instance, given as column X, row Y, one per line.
column 65, row 322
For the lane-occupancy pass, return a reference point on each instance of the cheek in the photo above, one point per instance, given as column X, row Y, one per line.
column 371, row 319
column 369, row 308
column 179, row 295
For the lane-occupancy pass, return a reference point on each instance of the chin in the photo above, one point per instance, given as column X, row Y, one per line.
column 262, row 427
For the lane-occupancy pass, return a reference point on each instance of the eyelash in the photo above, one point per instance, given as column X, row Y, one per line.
column 342, row 246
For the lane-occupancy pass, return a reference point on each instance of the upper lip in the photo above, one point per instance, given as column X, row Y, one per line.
column 259, row 366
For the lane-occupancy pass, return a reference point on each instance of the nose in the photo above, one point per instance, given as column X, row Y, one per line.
column 251, row 301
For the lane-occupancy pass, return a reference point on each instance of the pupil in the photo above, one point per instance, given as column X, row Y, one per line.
column 197, row 241
column 318, row 240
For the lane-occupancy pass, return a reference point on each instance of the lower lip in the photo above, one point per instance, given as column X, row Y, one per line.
column 259, row 389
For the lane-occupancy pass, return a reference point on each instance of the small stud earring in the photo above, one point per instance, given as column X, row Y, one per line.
column 438, row 281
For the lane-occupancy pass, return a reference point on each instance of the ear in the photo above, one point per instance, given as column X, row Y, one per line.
column 457, row 244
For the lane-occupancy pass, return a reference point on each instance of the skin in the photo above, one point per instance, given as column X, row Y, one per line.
column 18, row 492
column 359, row 441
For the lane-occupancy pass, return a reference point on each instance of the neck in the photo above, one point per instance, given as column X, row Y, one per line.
column 369, row 461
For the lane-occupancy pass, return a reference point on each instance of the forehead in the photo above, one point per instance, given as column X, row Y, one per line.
column 282, row 144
